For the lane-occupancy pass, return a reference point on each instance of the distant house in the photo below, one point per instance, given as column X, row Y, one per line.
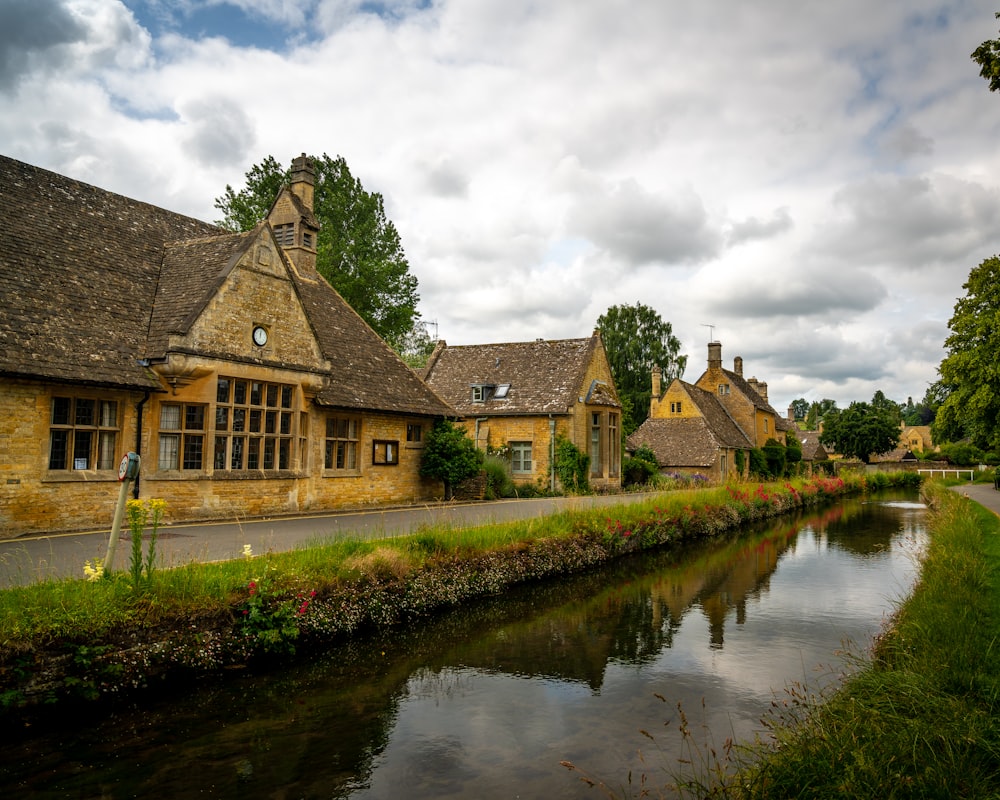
column 699, row 428
column 244, row 381
column 916, row 438
column 690, row 432
column 519, row 397
column 813, row 450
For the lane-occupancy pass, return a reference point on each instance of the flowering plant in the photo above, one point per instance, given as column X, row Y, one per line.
column 140, row 514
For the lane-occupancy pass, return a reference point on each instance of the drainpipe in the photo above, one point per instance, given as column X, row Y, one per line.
column 138, row 438
column 552, row 454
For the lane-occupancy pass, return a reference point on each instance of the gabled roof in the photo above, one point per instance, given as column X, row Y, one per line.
column 691, row 441
column 544, row 376
column 812, row 450
column 92, row 282
column 78, row 272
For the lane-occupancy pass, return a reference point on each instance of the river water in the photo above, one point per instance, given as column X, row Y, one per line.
column 485, row 702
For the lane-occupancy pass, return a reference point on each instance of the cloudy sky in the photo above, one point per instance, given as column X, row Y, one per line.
column 814, row 180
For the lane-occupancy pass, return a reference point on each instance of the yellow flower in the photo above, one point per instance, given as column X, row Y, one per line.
column 93, row 572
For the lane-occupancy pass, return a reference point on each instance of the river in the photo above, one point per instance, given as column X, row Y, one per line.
column 485, row 702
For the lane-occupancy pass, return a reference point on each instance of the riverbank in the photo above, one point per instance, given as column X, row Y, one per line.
column 71, row 641
column 920, row 718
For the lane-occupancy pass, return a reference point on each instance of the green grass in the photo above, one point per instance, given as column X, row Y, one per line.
column 920, row 719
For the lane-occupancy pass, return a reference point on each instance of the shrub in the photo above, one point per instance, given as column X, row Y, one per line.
column 449, row 455
column 572, row 466
column 498, row 479
column 639, row 468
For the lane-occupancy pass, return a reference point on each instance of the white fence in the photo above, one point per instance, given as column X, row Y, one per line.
column 944, row 473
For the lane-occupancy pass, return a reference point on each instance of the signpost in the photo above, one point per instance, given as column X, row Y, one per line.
column 128, row 471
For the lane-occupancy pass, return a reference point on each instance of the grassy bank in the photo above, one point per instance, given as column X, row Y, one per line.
column 920, row 719
column 77, row 639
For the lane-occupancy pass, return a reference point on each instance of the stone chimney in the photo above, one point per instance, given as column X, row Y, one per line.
column 762, row 391
column 738, row 365
column 791, row 413
column 657, row 379
column 715, row 355
column 303, row 181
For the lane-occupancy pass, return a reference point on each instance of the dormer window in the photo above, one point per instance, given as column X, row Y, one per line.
column 479, row 392
column 723, row 388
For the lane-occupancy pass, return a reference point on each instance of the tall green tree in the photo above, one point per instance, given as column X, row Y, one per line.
column 970, row 372
column 987, row 56
column 800, row 408
column 817, row 411
column 359, row 251
column 861, row 430
column 636, row 339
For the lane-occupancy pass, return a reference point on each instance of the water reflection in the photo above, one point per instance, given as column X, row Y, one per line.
column 485, row 702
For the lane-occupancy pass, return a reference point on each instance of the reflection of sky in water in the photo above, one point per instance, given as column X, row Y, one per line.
column 462, row 732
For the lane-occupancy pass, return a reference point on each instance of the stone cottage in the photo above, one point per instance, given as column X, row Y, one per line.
column 519, row 397
column 244, row 381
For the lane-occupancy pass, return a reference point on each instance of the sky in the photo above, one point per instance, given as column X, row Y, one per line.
column 808, row 183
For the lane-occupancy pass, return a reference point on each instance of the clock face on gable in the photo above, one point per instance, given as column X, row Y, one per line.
column 259, row 336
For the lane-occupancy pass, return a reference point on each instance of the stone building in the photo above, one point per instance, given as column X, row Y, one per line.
column 520, row 396
column 244, row 381
column 699, row 428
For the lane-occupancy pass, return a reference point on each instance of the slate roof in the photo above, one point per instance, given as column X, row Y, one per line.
column 545, row 376
column 80, row 269
column 737, row 380
column 812, row 450
column 691, row 441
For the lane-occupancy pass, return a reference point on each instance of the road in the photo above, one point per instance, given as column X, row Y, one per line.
column 28, row 559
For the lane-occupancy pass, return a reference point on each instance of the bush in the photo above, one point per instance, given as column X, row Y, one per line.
column 639, row 468
column 449, row 455
column 572, row 466
column 961, row 454
column 498, row 479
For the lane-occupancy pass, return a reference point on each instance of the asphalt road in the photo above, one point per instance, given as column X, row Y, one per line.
column 54, row 556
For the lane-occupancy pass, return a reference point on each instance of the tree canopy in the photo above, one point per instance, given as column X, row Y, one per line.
column 358, row 250
column 817, row 411
column 800, row 408
column 987, row 56
column 970, row 372
column 861, row 430
column 636, row 339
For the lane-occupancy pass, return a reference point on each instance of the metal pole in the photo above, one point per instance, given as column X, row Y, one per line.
column 116, row 525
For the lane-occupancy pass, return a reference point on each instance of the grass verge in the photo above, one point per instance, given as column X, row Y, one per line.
column 77, row 639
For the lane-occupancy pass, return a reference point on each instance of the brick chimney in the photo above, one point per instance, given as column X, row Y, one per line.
column 715, row 355
column 303, row 181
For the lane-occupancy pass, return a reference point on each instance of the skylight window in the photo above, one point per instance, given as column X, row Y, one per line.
column 501, row 390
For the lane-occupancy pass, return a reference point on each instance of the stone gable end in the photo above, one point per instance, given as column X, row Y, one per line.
column 257, row 292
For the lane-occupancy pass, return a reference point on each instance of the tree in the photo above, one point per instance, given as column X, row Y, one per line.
column 637, row 339
column 358, row 250
column 800, row 408
column 987, row 56
column 970, row 372
column 817, row 411
column 861, row 431
column 449, row 455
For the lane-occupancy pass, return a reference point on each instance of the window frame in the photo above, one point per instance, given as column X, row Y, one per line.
column 347, row 445
column 254, row 426
column 189, row 439
column 517, row 456
column 385, row 452
column 100, row 434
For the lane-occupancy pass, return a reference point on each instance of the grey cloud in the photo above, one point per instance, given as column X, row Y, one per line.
column 913, row 221
column 824, row 295
column 906, row 141
column 445, row 179
column 642, row 228
column 752, row 229
column 221, row 132
column 31, row 33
